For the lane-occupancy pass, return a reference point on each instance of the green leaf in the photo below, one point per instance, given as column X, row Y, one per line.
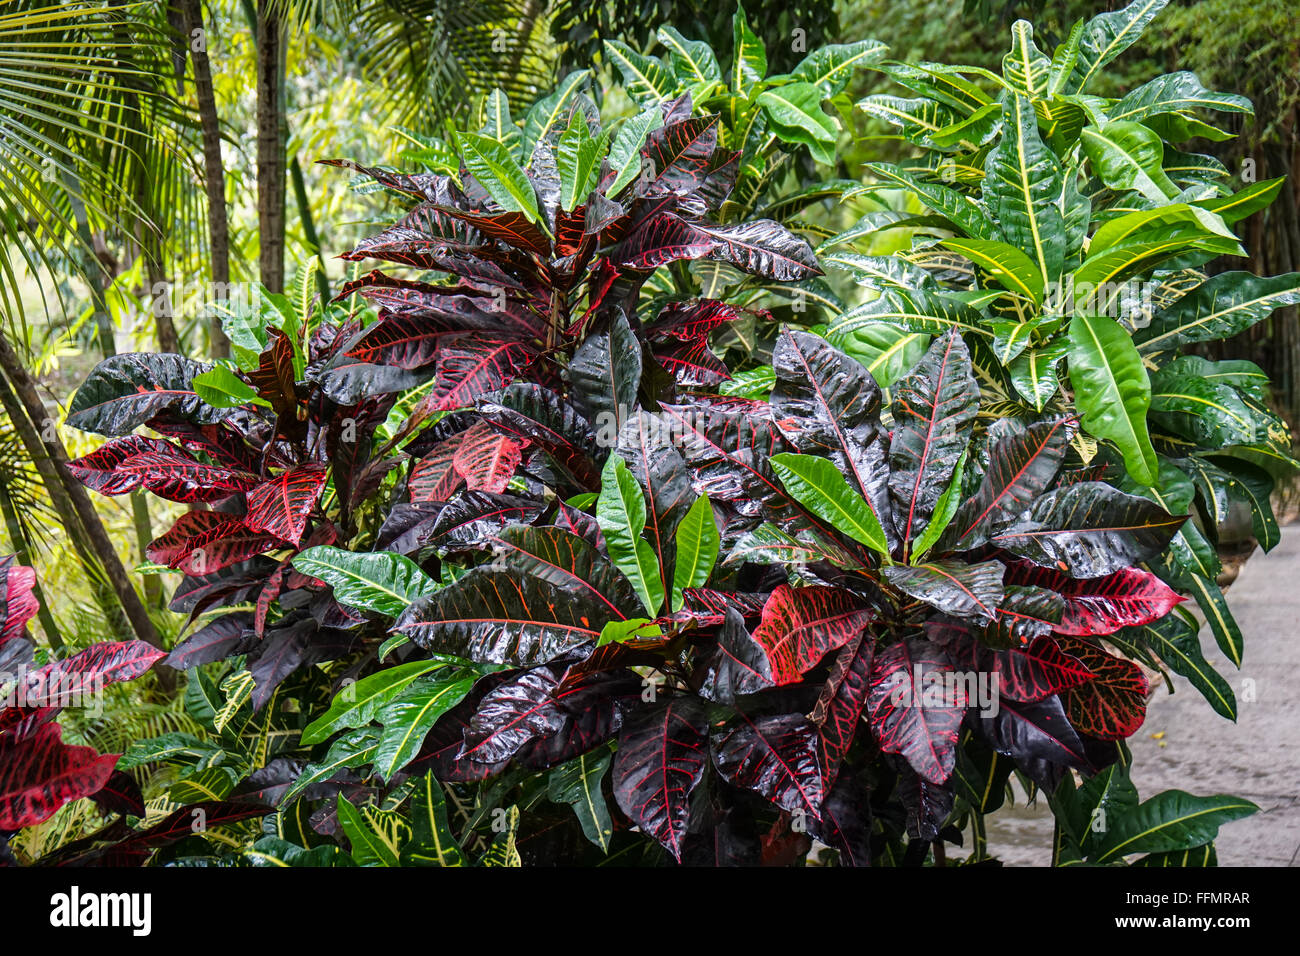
column 222, row 388
column 1244, row 202
column 169, row 747
column 1147, row 225
column 376, row 835
column 749, row 55
column 888, row 352
column 917, row 118
column 377, row 581
column 795, row 112
column 578, row 783
column 1105, row 37
column 944, row 509
column 830, row 67
column 1112, row 391
column 625, row 151
column 1026, row 68
column 273, row 851
column 752, row 383
column 697, row 541
column 620, row 512
column 432, row 842
column 1211, row 413
column 408, row 718
column 351, row 750
column 820, row 487
column 1227, row 633
column 500, row 175
column 1022, row 188
column 969, row 133
column 1254, row 486
column 504, row 850
column 644, row 78
column 577, row 159
column 1129, row 156
column 1172, row 821
column 497, row 123
column 1224, row 305
column 212, row 783
column 1174, row 640
column 693, row 60
column 546, row 112
column 357, row 703
column 1007, row 264
column 962, row 210
column 1172, row 93
column 632, row 628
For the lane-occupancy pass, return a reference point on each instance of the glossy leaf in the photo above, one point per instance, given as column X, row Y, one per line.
column 1112, row 390
column 661, row 759
column 379, row 581
column 621, row 513
column 1089, row 530
column 914, row 709
column 773, row 756
column 933, row 410
column 801, row 625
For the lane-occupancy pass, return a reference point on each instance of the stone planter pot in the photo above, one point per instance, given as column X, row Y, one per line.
column 1236, row 542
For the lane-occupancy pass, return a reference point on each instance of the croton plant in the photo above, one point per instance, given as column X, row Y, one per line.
column 496, row 561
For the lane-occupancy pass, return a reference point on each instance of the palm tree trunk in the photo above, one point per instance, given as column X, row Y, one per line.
column 214, row 173
column 270, row 147
column 24, row 387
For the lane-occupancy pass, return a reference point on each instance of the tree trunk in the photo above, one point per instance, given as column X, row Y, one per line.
column 270, row 147
column 214, row 173
column 24, row 387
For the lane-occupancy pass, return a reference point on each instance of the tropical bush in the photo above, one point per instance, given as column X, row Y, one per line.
column 501, row 562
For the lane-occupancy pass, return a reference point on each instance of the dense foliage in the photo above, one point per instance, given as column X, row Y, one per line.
column 502, row 562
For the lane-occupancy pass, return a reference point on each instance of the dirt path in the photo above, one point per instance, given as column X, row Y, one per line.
column 1185, row 745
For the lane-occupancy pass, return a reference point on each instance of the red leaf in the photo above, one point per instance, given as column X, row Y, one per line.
column 775, row 757
column 434, row 477
column 1098, row 606
column 839, row 706
column 20, row 604
column 486, row 459
column 915, row 708
column 41, row 773
column 98, row 471
column 1104, row 605
column 201, row 542
column 470, row 366
column 679, row 155
column 661, row 759
column 801, row 625
column 125, row 464
column 662, row 238
column 176, row 476
column 692, row 363
column 280, row 506
column 59, row 682
column 1113, row 704
column 697, row 318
